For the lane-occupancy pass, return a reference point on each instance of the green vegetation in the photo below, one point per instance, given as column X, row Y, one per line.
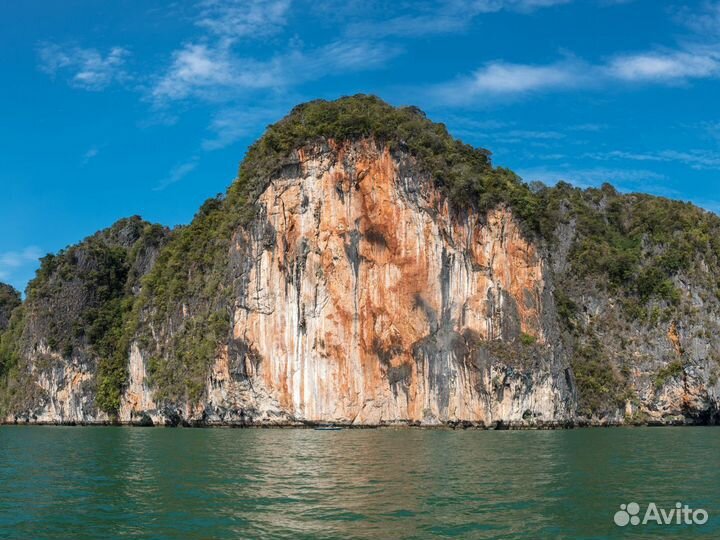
column 9, row 350
column 104, row 277
column 464, row 172
column 601, row 389
column 10, row 358
column 672, row 370
column 566, row 309
column 637, row 242
column 91, row 285
column 9, row 300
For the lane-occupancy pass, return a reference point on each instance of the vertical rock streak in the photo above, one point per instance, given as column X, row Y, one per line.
column 364, row 311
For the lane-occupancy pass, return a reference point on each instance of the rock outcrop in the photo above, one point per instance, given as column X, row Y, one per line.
column 375, row 303
column 363, row 290
column 71, row 324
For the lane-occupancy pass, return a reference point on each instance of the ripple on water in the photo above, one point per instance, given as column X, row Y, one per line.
column 375, row 484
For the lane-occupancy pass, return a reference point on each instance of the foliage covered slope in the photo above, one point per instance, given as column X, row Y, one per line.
column 80, row 305
column 9, row 300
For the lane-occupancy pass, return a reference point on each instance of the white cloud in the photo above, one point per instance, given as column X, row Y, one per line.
column 500, row 77
column 695, row 57
column 11, row 261
column 504, row 79
column 90, row 154
column 695, row 159
column 625, row 180
column 712, row 205
column 216, row 73
column 87, row 69
column 209, row 68
column 230, row 125
column 588, row 127
column 712, row 129
column 670, row 66
column 705, row 21
column 243, row 18
column 531, row 134
column 177, row 173
column 199, row 70
column 410, row 26
column 443, row 17
column 492, row 6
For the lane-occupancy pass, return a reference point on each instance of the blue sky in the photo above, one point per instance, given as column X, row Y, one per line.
column 125, row 107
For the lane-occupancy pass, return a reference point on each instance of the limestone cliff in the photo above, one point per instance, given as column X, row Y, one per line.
column 63, row 346
column 368, row 269
column 376, row 304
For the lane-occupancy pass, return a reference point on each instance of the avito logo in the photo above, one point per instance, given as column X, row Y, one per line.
column 629, row 514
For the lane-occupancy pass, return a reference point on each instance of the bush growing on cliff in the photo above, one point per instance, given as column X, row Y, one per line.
column 9, row 342
column 672, row 370
column 601, row 390
column 9, row 300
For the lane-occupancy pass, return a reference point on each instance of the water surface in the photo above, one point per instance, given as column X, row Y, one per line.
column 75, row 482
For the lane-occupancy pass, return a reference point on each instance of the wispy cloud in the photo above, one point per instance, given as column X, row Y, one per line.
column 625, row 180
column 712, row 129
column 90, row 154
column 713, row 205
column 216, row 73
column 491, row 6
column 409, row 26
column 535, row 138
column 588, row 177
column 88, row 69
column 212, row 68
column 502, row 80
column 696, row 159
column 233, row 19
column 530, row 134
column 199, row 70
column 177, row 173
column 443, row 17
column 232, row 124
column 11, row 261
column 694, row 57
column 665, row 66
column 704, row 21
column 499, row 78
column 588, row 127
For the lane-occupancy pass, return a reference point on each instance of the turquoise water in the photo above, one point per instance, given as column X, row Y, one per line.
column 74, row 482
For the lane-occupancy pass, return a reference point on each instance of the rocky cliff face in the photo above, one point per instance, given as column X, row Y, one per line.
column 359, row 297
column 361, row 290
column 66, row 335
column 363, row 299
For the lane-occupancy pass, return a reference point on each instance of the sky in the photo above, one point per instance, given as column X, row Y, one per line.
column 142, row 107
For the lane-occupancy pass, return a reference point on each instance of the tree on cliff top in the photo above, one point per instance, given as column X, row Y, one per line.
column 9, row 300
